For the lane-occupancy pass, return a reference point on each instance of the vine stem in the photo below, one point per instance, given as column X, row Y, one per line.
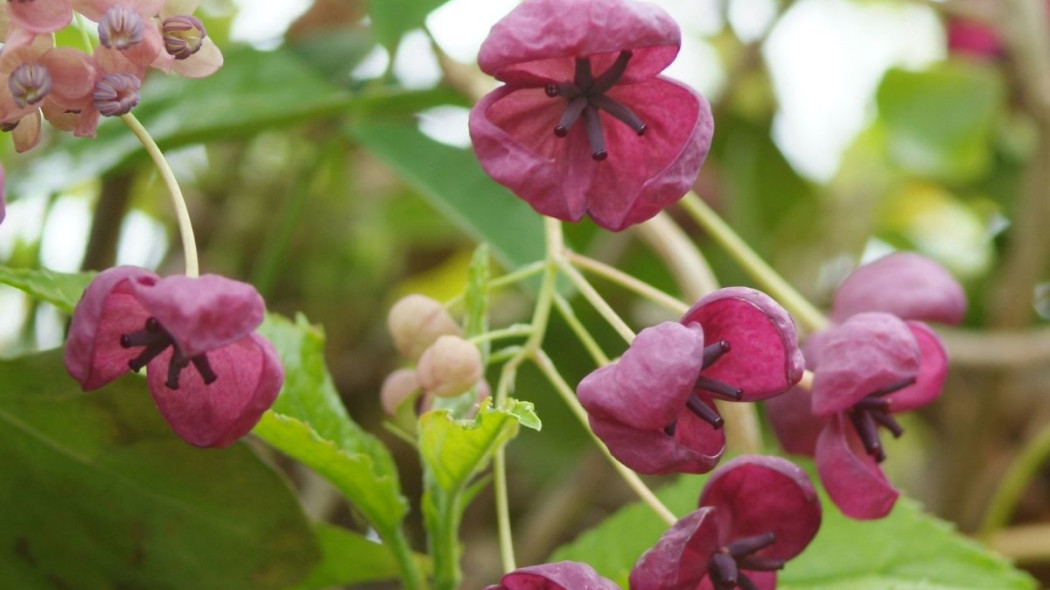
column 189, row 245
column 808, row 315
column 588, row 341
column 625, row 280
column 590, row 294
column 546, row 366
column 1014, row 482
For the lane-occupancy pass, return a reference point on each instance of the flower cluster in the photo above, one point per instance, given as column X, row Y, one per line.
column 130, row 318
column 72, row 89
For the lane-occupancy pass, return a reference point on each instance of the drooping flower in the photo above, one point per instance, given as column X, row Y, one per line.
column 563, row 575
column 908, row 285
column 755, row 514
column 583, row 124
column 654, row 407
column 129, row 318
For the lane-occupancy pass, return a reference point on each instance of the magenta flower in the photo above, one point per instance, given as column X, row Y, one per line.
column 654, row 407
column 25, row 20
column 129, row 318
column 755, row 514
column 583, row 124
column 908, row 285
column 563, row 575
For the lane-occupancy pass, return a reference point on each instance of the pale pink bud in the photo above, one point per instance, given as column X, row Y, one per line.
column 450, row 367
column 398, row 387
column 416, row 321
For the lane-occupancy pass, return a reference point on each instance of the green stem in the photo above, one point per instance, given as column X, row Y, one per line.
column 581, row 332
column 509, row 332
column 546, row 366
column 525, row 272
column 506, row 541
column 189, row 246
column 808, row 315
column 84, row 36
column 591, row 294
column 1014, row 482
column 625, row 280
column 411, row 578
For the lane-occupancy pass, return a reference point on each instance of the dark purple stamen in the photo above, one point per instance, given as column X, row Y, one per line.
column 719, row 388
column 713, row 352
column 723, row 571
column 155, row 340
column 747, row 545
column 704, row 411
column 587, row 96
column 726, row 564
column 868, row 432
column 873, row 411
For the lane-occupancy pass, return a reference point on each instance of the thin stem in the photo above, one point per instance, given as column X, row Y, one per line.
column 509, row 332
column 1013, row 483
column 525, row 272
column 581, row 332
column 590, row 294
column 411, row 579
column 506, row 542
column 808, row 315
column 627, row 281
column 543, row 362
column 189, row 246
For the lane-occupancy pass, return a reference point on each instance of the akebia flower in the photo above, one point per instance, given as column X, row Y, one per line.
column 210, row 374
column 654, row 407
column 563, row 575
column 755, row 514
column 584, row 125
column 908, row 285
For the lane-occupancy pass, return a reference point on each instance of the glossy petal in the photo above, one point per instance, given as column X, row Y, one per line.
column 563, row 575
column 764, row 359
column 905, row 284
column 793, row 421
column 850, row 475
column 933, row 372
column 868, row 353
column 216, row 415
column 758, row 494
column 107, row 310
column 679, row 560
column 202, row 314
column 538, row 40
column 45, row 16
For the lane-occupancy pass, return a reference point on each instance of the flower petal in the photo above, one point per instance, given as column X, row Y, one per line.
column 202, row 64
column 868, row 353
column 203, row 313
column 654, row 452
column 905, row 284
column 852, row 477
column 764, row 358
column 766, row 494
column 107, row 310
column 761, row 580
column 793, row 421
column 679, row 559
column 933, row 371
column 72, row 75
column 27, row 134
column 563, row 575
column 537, row 41
column 42, row 17
column 249, row 377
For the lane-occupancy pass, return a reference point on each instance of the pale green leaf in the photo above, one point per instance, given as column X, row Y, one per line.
column 62, row 290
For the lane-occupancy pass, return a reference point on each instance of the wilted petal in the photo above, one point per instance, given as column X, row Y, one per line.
column 867, row 354
column 850, row 475
column 45, row 16
column 107, row 310
column 249, row 377
column 764, row 359
column 933, row 371
column 679, row 560
column 793, row 421
column 537, row 41
column 563, row 575
column 765, row 494
column 905, row 284
column 204, row 313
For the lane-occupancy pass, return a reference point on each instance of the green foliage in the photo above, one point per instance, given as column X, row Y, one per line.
column 391, row 19
column 349, row 558
column 98, row 493
column 908, row 550
column 940, row 121
column 62, row 290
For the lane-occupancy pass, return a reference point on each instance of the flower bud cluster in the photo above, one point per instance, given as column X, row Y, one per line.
column 73, row 89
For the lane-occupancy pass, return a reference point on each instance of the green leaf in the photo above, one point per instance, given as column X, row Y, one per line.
column 939, row 122
column 391, row 19
column 908, row 550
column 453, row 182
column 98, row 493
column 349, row 558
column 62, row 290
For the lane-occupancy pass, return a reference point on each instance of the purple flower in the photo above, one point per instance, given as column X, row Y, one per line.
column 583, row 124
column 129, row 318
column 654, row 407
column 755, row 514
column 563, row 575
column 908, row 285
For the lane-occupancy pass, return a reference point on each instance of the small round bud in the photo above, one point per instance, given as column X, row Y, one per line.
column 116, row 94
column 450, row 367
column 398, row 387
column 416, row 321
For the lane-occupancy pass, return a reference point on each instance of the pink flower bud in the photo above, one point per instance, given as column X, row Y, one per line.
column 416, row 321
column 397, row 388
column 450, row 367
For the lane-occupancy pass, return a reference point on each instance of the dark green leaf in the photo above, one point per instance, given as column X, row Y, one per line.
column 99, row 494
column 62, row 290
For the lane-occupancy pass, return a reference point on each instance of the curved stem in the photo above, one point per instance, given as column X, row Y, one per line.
column 527, row 271
column 1013, row 483
column 513, row 331
column 543, row 362
column 189, row 246
column 590, row 294
column 581, row 332
column 625, row 280
column 808, row 315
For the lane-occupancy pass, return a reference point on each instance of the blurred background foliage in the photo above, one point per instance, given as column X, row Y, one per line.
column 327, row 163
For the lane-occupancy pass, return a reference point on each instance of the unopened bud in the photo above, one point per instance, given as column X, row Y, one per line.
column 116, row 94
column 416, row 321
column 450, row 367
column 398, row 387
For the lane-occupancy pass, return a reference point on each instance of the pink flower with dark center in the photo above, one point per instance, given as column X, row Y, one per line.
column 183, row 35
column 755, row 514
column 188, row 50
column 116, row 94
column 129, row 318
column 583, row 124
column 654, row 407
column 563, row 575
